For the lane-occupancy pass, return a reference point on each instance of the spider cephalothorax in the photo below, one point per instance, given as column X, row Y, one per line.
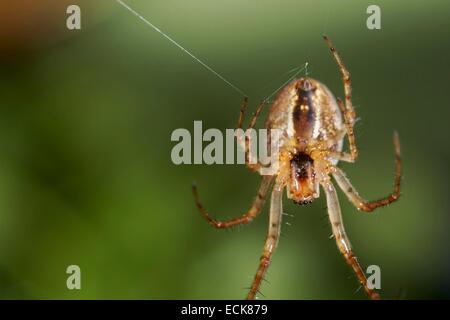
column 303, row 186
column 313, row 125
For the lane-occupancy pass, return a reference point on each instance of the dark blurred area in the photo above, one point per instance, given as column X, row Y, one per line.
column 86, row 176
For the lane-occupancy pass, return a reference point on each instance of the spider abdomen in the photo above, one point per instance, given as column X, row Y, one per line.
column 307, row 113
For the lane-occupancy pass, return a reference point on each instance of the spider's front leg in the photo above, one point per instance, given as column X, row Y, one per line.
column 342, row 241
column 276, row 212
column 245, row 141
column 254, row 210
column 347, row 110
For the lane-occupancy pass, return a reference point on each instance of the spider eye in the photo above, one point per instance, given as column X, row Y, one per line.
column 305, row 202
column 306, row 85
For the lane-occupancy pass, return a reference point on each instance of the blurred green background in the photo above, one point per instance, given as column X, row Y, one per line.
column 85, row 171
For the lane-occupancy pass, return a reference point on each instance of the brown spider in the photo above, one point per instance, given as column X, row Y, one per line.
column 311, row 119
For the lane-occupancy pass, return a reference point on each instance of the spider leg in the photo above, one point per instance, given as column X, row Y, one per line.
column 341, row 156
column 347, row 110
column 244, row 105
column 245, row 142
column 346, row 186
column 349, row 122
column 246, row 217
column 342, row 241
column 276, row 212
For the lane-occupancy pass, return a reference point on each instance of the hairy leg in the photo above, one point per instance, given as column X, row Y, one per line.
column 276, row 212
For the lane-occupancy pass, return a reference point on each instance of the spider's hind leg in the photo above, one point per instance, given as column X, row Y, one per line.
column 358, row 201
column 342, row 241
column 273, row 234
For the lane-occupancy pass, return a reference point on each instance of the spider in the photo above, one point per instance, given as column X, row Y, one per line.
column 314, row 125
